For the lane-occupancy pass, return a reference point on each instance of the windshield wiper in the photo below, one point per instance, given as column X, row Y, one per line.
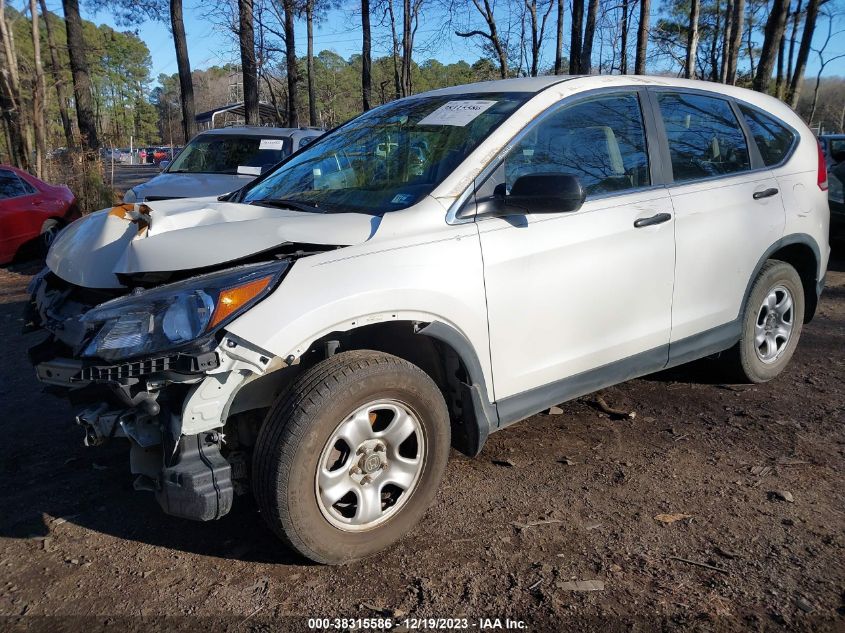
column 287, row 203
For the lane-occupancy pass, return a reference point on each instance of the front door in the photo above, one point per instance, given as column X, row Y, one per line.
column 579, row 299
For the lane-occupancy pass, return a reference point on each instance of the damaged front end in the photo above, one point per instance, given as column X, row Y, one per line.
column 155, row 366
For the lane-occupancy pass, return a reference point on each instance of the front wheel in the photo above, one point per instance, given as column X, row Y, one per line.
column 350, row 457
column 771, row 324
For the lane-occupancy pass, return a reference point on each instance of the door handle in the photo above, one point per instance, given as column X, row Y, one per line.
column 766, row 193
column 660, row 218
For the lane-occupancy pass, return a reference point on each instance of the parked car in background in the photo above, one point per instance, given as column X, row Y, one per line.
column 160, row 154
column 31, row 212
column 219, row 161
column 324, row 335
column 833, row 147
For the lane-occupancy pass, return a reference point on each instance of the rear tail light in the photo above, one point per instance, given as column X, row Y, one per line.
column 822, row 179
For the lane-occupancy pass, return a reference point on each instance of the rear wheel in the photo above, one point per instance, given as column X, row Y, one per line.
column 772, row 320
column 349, row 459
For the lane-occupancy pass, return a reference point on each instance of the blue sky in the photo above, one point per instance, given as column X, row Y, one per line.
column 208, row 45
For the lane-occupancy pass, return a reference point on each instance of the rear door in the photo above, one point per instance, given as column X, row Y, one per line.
column 571, row 292
column 728, row 211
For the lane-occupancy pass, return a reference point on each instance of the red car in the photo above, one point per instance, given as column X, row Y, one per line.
column 31, row 211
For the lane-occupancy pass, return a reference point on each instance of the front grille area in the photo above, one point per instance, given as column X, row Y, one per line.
column 180, row 363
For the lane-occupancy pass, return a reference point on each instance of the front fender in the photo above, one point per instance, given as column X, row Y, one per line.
column 440, row 279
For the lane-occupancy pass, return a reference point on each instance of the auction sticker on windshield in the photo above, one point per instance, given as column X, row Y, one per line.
column 271, row 143
column 457, row 113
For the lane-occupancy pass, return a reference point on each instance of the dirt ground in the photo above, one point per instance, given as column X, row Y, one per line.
column 555, row 499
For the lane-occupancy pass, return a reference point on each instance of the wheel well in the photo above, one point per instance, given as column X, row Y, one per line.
column 802, row 258
column 443, row 364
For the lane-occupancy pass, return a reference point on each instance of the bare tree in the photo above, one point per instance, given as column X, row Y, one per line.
column 366, row 56
column 183, row 64
column 589, row 37
column 10, row 95
column 559, row 39
column 81, row 78
column 773, row 34
column 642, row 37
column 822, row 65
column 290, row 61
column 692, row 39
column 575, row 40
column 249, row 68
column 309, row 62
column 726, row 40
column 492, row 37
column 538, row 30
column 737, row 19
column 804, row 51
column 56, row 72
column 39, row 94
column 796, row 20
column 623, row 47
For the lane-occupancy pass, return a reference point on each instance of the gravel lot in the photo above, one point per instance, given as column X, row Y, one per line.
column 556, row 499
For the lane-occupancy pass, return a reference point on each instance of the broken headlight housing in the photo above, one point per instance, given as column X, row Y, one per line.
column 168, row 317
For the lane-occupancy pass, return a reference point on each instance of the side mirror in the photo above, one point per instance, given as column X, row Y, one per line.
column 543, row 193
column 163, row 165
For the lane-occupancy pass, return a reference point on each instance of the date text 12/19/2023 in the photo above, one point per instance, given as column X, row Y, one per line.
column 416, row 624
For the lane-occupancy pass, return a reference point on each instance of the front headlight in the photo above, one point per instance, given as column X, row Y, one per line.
column 169, row 316
column 130, row 196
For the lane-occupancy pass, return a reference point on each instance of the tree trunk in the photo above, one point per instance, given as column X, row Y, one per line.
column 312, row 97
column 39, row 94
column 81, row 79
column 492, row 36
column 773, row 34
column 803, row 52
column 779, row 81
column 397, row 83
column 407, row 47
column 737, row 20
column 589, row 36
column 58, row 82
column 714, row 44
column 642, row 36
column 623, row 48
column 727, row 38
column 366, row 56
column 575, row 38
column 559, row 40
column 183, row 63
column 10, row 96
column 796, row 19
column 290, row 60
column 692, row 39
column 249, row 69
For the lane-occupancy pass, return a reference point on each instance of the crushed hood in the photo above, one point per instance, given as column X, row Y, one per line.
column 188, row 234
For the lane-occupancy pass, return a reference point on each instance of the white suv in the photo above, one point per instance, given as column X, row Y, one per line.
column 427, row 274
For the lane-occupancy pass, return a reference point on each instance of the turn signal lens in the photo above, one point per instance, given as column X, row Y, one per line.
column 231, row 299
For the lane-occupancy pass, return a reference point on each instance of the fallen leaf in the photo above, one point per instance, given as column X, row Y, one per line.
column 672, row 518
column 582, row 585
column 783, row 495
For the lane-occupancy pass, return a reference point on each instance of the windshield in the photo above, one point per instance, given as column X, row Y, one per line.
column 388, row 158
column 230, row 154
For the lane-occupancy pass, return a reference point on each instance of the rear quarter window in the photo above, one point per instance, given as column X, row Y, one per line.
column 773, row 139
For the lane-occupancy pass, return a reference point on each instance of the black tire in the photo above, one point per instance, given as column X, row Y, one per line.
column 301, row 422
column 745, row 360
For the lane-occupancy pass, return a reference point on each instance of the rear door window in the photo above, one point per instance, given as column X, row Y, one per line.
column 11, row 186
column 773, row 139
column 705, row 138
